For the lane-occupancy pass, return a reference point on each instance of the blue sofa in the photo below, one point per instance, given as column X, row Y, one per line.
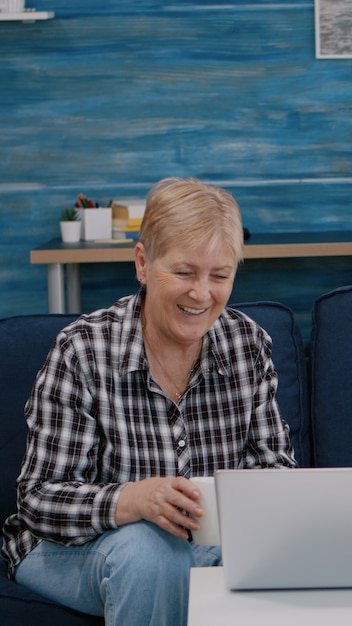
column 24, row 344
column 331, row 379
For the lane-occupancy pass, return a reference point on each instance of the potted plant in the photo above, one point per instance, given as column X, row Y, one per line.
column 70, row 225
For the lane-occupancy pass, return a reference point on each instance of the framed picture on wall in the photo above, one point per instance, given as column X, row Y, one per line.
column 333, row 29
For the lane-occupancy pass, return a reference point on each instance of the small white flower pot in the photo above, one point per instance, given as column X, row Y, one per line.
column 70, row 231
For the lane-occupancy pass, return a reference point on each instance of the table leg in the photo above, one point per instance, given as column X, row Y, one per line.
column 56, row 291
column 74, row 288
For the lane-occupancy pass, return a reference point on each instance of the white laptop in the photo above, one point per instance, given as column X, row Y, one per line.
column 285, row 528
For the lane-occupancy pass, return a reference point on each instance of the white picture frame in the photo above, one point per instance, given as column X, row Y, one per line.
column 333, row 29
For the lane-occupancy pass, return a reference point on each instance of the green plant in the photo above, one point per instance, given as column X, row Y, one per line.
column 70, row 215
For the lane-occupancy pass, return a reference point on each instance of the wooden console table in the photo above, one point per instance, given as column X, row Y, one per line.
column 56, row 254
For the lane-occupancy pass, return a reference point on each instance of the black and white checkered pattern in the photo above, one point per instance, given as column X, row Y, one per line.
column 97, row 420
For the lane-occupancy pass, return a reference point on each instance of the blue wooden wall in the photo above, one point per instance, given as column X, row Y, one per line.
column 111, row 96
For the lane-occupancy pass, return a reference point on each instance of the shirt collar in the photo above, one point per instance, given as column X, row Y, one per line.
column 129, row 342
column 218, row 342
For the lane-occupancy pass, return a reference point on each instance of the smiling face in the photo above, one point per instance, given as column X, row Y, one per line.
column 186, row 290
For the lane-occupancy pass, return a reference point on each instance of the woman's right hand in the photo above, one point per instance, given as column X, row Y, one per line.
column 163, row 501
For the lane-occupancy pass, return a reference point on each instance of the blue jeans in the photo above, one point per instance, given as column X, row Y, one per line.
column 137, row 575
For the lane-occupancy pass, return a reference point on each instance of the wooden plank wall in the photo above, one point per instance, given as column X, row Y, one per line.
column 111, row 96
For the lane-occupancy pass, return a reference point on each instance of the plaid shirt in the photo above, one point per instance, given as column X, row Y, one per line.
column 98, row 420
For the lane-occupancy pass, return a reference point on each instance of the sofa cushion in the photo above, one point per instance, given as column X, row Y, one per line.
column 331, row 367
column 290, row 362
column 24, row 344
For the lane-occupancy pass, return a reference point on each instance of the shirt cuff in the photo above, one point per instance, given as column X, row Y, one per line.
column 104, row 508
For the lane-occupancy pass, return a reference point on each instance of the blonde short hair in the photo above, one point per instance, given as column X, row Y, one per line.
column 187, row 211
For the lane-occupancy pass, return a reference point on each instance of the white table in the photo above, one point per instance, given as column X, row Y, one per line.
column 211, row 604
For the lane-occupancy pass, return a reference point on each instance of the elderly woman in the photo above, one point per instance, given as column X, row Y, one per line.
column 131, row 403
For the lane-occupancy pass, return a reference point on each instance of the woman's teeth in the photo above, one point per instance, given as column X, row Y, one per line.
column 188, row 309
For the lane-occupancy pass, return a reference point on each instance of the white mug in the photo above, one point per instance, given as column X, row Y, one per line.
column 208, row 533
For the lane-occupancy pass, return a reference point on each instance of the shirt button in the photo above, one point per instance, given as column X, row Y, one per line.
column 182, row 443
